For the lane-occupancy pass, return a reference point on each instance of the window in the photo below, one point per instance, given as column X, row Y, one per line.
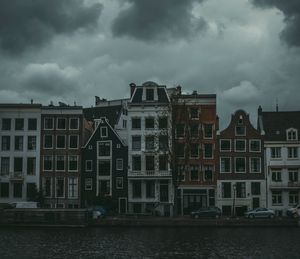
column 48, row 141
column 73, row 141
column 136, row 189
column 208, row 150
column 5, row 165
column 60, row 163
column 194, row 170
column 149, row 123
column 136, row 163
column 48, row 163
column 18, row 189
column 150, row 189
column 31, row 190
column 31, row 143
column 136, row 123
column 163, row 143
column 180, row 150
column 194, row 149
column 163, row 163
column 255, row 165
column 240, row 165
column 208, row 172
column 74, row 124
column 104, row 148
column 32, row 124
column 4, row 190
column 240, row 130
column 181, row 172
column 73, row 187
column 31, row 165
column 19, row 143
column 208, row 131
column 292, row 152
column 48, row 186
column 275, row 152
column 60, row 141
column 240, row 145
column 88, row 165
column 225, row 145
column 60, row 187
column 179, row 130
column 255, row 188
column 226, row 190
column 61, row 123
column 149, row 94
column 5, row 146
column 103, row 132
column 292, row 134
column 164, row 191
column 276, row 176
column 104, row 187
column 194, row 130
column 240, row 189
column 255, row 145
column 104, row 167
column 18, row 164
column 124, row 124
column 136, row 142
column 88, row 184
column 19, row 124
column 73, row 163
column 276, row 198
column 119, row 164
column 163, row 123
column 293, row 176
column 149, row 140
column 293, row 197
column 150, row 163
column 225, row 165
column 194, row 113
column 6, row 124
column 48, row 123
column 119, row 182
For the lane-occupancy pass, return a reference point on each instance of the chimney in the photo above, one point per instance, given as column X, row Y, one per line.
column 259, row 110
column 132, row 88
column 97, row 100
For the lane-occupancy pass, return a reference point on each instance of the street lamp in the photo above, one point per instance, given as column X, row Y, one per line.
column 233, row 203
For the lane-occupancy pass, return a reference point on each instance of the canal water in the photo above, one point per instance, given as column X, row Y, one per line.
column 150, row 243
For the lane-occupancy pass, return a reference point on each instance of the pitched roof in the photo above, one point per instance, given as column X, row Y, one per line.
column 112, row 113
column 275, row 124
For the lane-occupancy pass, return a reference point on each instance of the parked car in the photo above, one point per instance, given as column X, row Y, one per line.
column 294, row 212
column 260, row 213
column 25, row 205
column 210, row 212
column 98, row 212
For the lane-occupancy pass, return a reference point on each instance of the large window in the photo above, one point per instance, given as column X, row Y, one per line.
column 275, row 152
column 225, row 165
column 60, row 187
column 104, row 187
column 6, row 124
column 73, row 163
column 31, row 145
column 48, row 186
column 48, row 123
column 180, row 148
column 225, row 145
column 208, row 131
column 61, row 123
column 293, row 197
column 150, row 189
column 48, row 163
column 136, row 143
column 208, row 172
column 276, row 198
column 255, row 165
column 255, row 145
column 74, row 123
column 163, row 122
column 104, row 148
column 5, row 145
column 31, row 165
column 19, row 143
column 292, row 152
column 104, row 167
column 240, row 190
column 226, row 190
column 240, row 145
column 5, row 165
column 60, row 141
column 180, row 130
column 18, row 164
column 149, row 140
column 32, row 124
column 150, row 163
column 164, row 191
column 208, row 150
column 73, row 141
column 18, row 190
column 136, row 123
column 194, row 150
column 19, row 124
column 163, row 143
column 276, row 176
column 73, row 187
column 149, row 94
column 240, row 164
column 136, row 189
column 194, row 172
column 293, row 176
column 163, row 163
column 60, row 163
column 194, row 114
column 292, row 134
column 136, row 163
column 149, row 123
column 4, row 190
column 48, row 141
column 255, row 188
column 194, row 132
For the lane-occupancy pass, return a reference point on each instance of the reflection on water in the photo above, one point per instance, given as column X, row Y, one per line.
column 150, row 243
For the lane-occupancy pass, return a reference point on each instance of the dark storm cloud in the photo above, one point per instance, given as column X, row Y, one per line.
column 291, row 11
column 31, row 23
column 152, row 20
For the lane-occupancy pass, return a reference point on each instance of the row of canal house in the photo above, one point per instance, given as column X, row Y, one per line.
column 160, row 151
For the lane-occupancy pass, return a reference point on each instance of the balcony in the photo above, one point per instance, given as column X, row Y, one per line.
column 16, row 176
column 285, row 185
column 149, row 173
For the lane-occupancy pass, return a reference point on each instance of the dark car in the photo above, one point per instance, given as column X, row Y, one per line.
column 210, row 212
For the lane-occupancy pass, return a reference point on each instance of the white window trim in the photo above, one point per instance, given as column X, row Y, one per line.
column 55, row 179
column 212, row 153
column 292, row 158
column 45, row 142
column 191, row 174
column 250, row 170
column 222, row 150
column 56, row 163
column 57, row 142
column 52, row 164
column 70, row 141
column 71, row 197
column 291, row 130
column 87, row 170
column 222, row 172
column 98, row 153
column 70, row 123
column 235, row 165
column 276, row 171
column 245, row 145
column 253, row 151
column 212, row 130
column 181, row 137
column 103, row 135
column 213, row 171
column 59, row 118
column 276, row 158
column 119, row 159
column 69, row 170
column 190, row 114
column 45, row 123
column 120, row 188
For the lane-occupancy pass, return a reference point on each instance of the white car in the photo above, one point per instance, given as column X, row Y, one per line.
column 294, row 212
column 260, row 213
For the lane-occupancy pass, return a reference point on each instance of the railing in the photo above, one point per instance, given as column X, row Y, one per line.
column 284, row 185
column 149, row 173
column 16, row 176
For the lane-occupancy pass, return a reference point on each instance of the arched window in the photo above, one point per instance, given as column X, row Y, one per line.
column 292, row 134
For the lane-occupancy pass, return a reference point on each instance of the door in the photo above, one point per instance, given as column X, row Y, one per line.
column 122, row 205
column 255, row 203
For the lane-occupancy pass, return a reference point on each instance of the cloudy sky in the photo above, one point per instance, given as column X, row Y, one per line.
column 245, row 51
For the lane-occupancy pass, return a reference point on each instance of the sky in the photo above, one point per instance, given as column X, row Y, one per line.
column 245, row 51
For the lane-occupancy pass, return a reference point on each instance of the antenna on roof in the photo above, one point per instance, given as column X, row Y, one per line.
column 276, row 104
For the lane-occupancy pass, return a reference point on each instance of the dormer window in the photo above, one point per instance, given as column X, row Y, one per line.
column 149, row 94
column 292, row 134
